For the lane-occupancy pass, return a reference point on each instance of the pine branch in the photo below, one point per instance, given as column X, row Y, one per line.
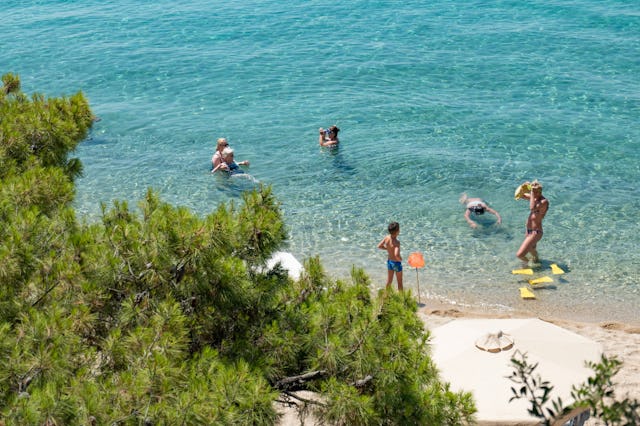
column 47, row 291
column 26, row 381
column 362, row 382
column 299, row 398
column 298, row 382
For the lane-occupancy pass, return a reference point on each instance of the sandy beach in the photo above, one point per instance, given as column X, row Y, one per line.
column 617, row 339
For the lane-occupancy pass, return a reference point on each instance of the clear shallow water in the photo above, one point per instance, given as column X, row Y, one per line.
column 432, row 100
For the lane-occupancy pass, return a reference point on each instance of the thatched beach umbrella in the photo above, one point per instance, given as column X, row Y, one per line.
column 485, row 370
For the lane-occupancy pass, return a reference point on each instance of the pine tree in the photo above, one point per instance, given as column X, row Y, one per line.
column 155, row 315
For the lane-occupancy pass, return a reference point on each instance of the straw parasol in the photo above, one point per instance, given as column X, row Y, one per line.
column 460, row 349
column 495, row 342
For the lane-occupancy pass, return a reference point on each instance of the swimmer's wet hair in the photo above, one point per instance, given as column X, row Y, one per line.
column 536, row 185
column 393, row 227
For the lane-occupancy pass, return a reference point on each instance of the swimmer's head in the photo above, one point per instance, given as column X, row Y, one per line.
column 463, row 198
column 333, row 130
column 478, row 210
column 227, row 153
column 222, row 143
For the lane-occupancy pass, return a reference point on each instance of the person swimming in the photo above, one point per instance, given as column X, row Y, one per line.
column 329, row 137
column 478, row 207
column 228, row 164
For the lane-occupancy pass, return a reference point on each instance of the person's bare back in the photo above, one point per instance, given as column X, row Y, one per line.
column 392, row 245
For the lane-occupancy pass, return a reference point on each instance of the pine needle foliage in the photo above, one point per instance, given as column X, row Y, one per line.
column 155, row 315
column 597, row 393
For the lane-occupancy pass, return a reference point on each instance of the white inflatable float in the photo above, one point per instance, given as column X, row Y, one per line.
column 288, row 262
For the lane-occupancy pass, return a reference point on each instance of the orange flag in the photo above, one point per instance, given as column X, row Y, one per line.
column 416, row 260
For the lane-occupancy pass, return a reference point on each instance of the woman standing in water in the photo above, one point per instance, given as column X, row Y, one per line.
column 538, row 207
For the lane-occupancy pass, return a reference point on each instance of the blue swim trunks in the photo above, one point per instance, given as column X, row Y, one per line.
column 393, row 265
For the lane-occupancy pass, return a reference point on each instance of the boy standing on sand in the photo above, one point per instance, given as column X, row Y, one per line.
column 394, row 260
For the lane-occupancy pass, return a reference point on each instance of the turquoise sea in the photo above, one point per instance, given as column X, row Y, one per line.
column 433, row 99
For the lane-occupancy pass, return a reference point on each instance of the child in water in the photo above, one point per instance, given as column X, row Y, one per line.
column 228, row 164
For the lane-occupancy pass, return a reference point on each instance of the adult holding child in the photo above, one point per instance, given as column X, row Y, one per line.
column 228, row 164
column 538, row 207
column 218, row 160
column 329, row 137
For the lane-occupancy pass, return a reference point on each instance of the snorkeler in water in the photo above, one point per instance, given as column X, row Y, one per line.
column 477, row 207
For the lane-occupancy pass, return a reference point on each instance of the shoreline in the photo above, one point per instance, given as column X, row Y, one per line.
column 434, row 307
column 567, row 298
column 577, row 313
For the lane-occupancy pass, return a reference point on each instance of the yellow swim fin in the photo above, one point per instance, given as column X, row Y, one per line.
column 525, row 293
column 527, row 271
column 521, row 190
column 541, row 280
column 556, row 269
